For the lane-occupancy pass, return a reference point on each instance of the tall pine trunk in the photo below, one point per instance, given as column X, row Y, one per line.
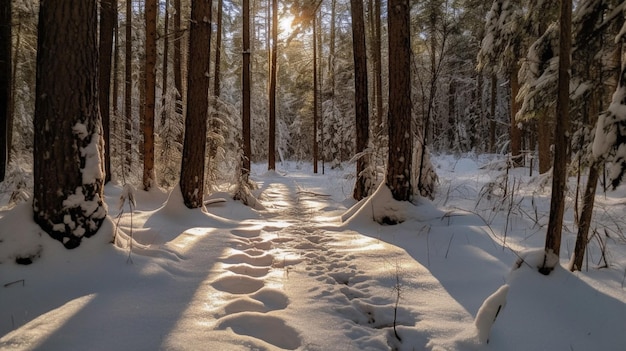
column 557, row 201
column 400, row 136
column 68, row 175
column 5, row 82
column 361, row 108
column 178, row 55
column 150, row 94
column 218, row 50
column 315, row 95
column 108, row 17
column 271, row 153
column 128, row 90
column 194, row 145
column 165, row 69
column 245, row 104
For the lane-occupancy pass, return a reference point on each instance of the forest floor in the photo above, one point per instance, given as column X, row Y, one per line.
column 310, row 270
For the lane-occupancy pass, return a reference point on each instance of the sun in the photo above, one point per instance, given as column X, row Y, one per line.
column 284, row 24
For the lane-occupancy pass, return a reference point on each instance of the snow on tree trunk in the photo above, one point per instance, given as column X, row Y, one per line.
column 68, row 173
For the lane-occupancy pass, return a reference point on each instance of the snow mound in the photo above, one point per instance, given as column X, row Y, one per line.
column 489, row 311
column 381, row 207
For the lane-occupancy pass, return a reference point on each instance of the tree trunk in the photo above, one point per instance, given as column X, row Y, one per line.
column 68, row 175
column 557, row 201
column 166, row 52
column 178, row 70
column 361, row 108
column 516, row 132
column 194, row 146
column 218, row 50
column 128, row 90
column 399, row 120
column 247, row 148
column 315, row 112
column 378, row 68
column 544, row 137
column 11, row 116
column 150, row 91
column 271, row 154
column 116, row 86
column 451, row 114
column 108, row 17
column 5, row 81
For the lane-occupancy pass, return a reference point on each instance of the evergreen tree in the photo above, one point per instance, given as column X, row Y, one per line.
column 400, row 136
column 194, row 147
column 5, row 81
column 69, row 179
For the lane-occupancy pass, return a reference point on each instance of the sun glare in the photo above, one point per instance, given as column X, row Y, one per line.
column 284, row 24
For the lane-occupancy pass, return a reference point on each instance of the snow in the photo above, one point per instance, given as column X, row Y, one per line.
column 312, row 270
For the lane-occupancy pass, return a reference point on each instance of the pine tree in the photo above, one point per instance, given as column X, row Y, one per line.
column 69, row 179
column 150, row 92
column 400, row 135
column 194, row 146
column 361, row 186
column 499, row 53
column 5, row 81
column 561, row 140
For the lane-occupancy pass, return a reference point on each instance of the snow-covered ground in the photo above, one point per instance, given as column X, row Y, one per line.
column 313, row 271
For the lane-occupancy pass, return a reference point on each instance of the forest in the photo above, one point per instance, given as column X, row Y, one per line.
column 331, row 157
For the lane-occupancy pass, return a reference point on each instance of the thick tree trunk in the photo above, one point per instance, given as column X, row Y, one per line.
column 271, row 153
column 399, row 120
column 108, row 17
column 68, row 175
column 5, row 82
column 361, row 108
column 247, row 148
column 557, row 201
column 150, row 91
column 194, row 146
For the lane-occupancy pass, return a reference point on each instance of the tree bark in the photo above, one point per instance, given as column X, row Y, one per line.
column 108, row 17
column 165, row 69
column 271, row 154
column 150, row 91
column 557, row 201
column 543, row 142
column 68, row 175
column 218, row 50
column 178, row 70
column 128, row 90
column 5, row 82
column 315, row 95
column 361, row 108
column 247, row 148
column 399, row 120
column 194, row 145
